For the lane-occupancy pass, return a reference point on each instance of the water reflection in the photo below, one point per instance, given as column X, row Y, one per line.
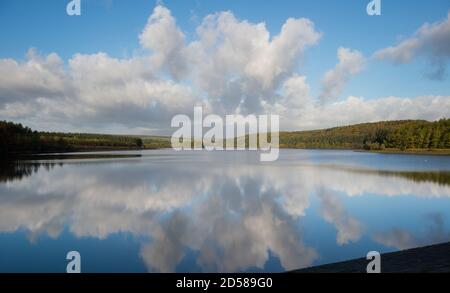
column 233, row 212
column 333, row 211
column 435, row 232
column 17, row 170
column 439, row 177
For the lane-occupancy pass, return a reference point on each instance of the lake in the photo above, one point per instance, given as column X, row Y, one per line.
column 162, row 211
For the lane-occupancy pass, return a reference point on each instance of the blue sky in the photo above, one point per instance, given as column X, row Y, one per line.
column 114, row 26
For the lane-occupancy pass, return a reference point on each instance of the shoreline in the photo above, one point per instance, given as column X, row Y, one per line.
column 437, row 152
column 433, row 152
column 424, row 152
column 74, row 152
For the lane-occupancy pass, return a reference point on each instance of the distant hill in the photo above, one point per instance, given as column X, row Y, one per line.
column 18, row 139
column 402, row 135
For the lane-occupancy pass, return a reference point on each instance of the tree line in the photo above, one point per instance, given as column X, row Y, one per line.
column 19, row 139
column 401, row 135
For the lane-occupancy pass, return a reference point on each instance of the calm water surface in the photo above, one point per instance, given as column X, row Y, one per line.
column 218, row 212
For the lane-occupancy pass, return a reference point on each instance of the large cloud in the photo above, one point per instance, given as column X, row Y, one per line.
column 38, row 76
column 240, row 66
column 431, row 40
column 233, row 65
column 93, row 90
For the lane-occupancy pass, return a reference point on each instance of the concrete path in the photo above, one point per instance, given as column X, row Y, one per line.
column 430, row 259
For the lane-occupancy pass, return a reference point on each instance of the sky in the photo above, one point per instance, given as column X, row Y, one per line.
column 131, row 66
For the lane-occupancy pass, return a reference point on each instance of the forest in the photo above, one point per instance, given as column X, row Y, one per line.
column 18, row 139
column 401, row 135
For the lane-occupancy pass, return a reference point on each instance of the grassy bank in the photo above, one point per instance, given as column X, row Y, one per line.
column 432, row 152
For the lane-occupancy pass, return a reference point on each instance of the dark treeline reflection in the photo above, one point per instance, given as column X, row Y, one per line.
column 439, row 177
column 17, row 170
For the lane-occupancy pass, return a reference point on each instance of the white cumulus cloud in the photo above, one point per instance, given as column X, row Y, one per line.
column 351, row 62
column 431, row 40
